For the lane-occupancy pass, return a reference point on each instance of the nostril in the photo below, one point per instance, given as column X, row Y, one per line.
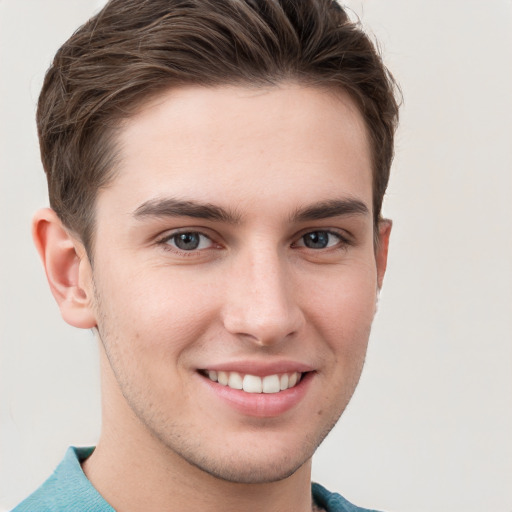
column 260, row 306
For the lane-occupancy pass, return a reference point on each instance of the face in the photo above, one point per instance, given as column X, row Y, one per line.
column 235, row 275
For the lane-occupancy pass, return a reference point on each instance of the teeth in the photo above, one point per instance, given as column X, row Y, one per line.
column 271, row 384
column 222, row 378
column 253, row 383
column 235, row 380
column 283, row 381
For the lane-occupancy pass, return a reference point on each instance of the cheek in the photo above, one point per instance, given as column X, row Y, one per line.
column 152, row 311
column 344, row 308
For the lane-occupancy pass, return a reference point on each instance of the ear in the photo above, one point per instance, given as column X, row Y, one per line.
column 67, row 268
column 381, row 249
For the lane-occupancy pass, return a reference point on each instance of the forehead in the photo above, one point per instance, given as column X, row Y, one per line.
column 218, row 144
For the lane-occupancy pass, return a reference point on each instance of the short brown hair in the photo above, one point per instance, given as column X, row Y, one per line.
column 134, row 49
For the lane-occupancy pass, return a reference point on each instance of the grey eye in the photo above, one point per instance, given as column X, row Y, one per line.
column 320, row 239
column 189, row 241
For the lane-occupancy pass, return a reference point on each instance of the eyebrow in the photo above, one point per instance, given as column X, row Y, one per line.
column 331, row 208
column 170, row 207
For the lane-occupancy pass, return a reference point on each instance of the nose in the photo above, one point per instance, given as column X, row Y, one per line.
column 260, row 301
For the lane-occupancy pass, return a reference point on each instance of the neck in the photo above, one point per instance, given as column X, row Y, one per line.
column 133, row 478
column 134, row 471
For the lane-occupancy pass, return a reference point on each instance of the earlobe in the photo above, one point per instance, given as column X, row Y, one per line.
column 67, row 269
column 381, row 250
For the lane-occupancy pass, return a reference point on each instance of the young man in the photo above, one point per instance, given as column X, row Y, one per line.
column 216, row 171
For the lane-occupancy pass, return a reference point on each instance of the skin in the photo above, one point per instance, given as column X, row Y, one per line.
column 252, row 294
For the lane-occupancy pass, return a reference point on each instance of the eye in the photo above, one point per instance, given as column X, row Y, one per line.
column 320, row 240
column 188, row 241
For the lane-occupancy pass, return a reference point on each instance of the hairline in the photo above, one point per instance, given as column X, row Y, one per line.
column 144, row 101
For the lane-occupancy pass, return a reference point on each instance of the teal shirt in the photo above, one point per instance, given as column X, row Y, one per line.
column 68, row 489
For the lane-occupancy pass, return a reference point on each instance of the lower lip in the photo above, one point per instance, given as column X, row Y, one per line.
column 262, row 405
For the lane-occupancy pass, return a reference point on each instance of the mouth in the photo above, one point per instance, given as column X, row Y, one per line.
column 269, row 384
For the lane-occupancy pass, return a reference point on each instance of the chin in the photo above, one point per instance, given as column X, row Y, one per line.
column 251, row 472
column 256, row 458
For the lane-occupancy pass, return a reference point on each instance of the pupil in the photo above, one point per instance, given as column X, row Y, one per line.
column 316, row 240
column 187, row 241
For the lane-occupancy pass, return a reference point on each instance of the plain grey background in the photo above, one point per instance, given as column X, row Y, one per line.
column 430, row 425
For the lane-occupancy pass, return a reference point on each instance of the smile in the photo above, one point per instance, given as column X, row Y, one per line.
column 254, row 384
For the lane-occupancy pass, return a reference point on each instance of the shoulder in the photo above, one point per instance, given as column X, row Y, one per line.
column 334, row 502
column 66, row 489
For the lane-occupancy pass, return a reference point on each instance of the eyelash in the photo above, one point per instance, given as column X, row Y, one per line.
column 164, row 242
column 342, row 242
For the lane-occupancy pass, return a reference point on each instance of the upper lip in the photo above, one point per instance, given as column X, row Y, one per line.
column 259, row 368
